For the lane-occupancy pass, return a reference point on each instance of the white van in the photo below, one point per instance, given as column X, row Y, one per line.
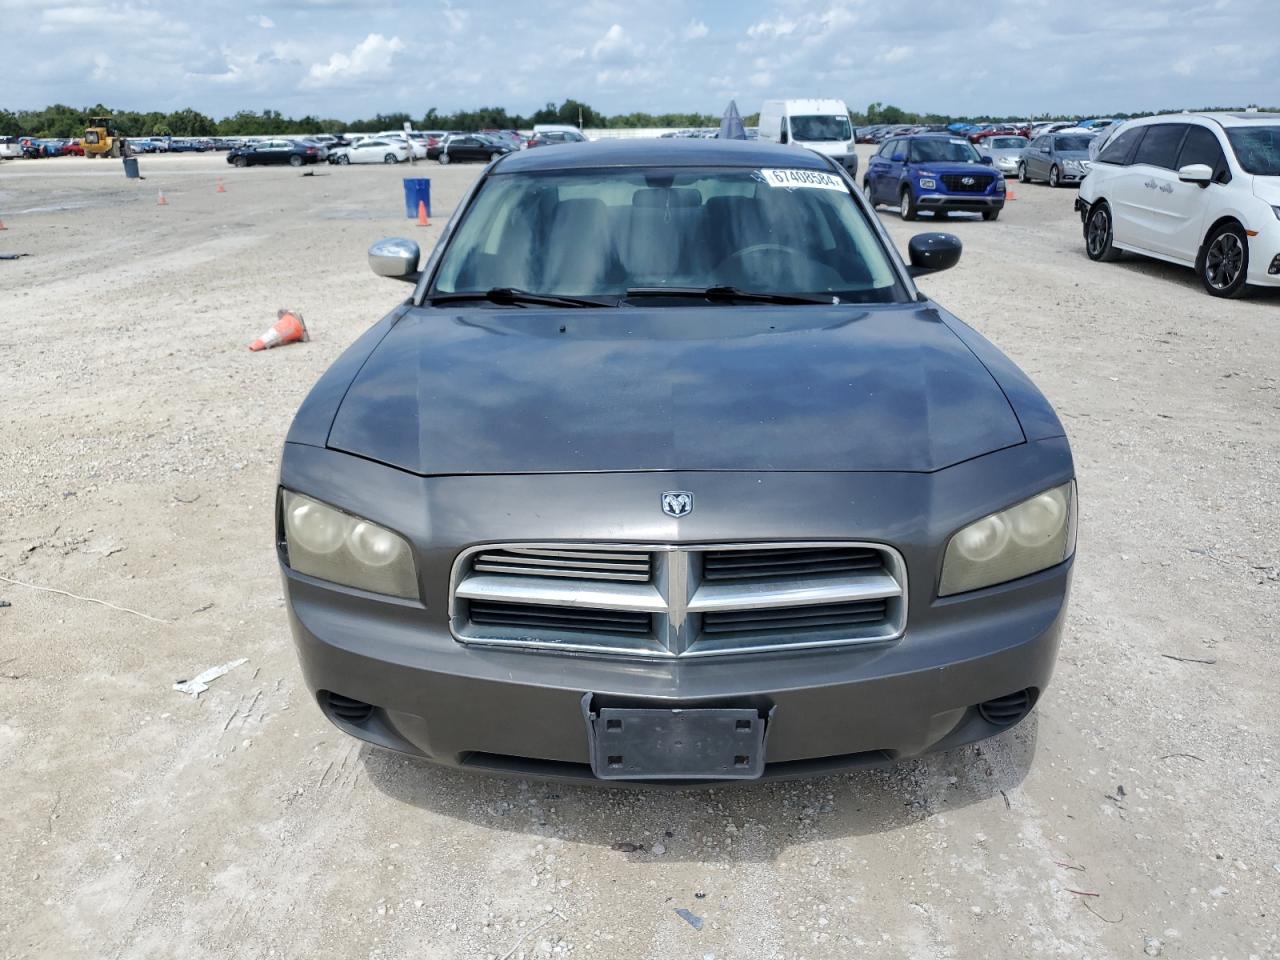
column 819, row 125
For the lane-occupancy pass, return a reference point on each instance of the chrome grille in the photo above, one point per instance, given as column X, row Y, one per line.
column 670, row 601
column 532, row 616
column 799, row 561
column 575, row 564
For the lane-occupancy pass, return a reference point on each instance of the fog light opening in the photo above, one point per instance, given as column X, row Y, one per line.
column 347, row 709
column 1274, row 269
column 1007, row 710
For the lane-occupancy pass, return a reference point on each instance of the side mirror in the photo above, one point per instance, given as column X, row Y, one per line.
column 931, row 252
column 987, row 160
column 899, row 158
column 1200, row 173
column 395, row 257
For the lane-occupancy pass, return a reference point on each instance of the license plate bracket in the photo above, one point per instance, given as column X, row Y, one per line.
column 646, row 743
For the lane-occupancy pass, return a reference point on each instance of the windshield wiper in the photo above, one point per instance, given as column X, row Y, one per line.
column 513, row 296
column 726, row 293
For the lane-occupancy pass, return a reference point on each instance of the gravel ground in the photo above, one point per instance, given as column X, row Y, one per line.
column 1134, row 814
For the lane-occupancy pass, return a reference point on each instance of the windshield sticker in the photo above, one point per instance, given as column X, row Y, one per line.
column 813, row 179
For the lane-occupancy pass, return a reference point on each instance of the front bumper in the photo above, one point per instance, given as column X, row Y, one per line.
column 1264, row 254
column 960, row 202
column 523, row 712
column 506, row 710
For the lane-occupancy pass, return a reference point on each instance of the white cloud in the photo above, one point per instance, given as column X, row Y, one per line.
column 695, row 30
column 614, row 47
column 98, row 16
column 371, row 58
column 266, row 23
column 896, row 54
column 455, row 19
column 772, row 28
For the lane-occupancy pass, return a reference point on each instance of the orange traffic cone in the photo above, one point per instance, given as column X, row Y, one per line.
column 289, row 328
column 221, row 188
column 1009, row 194
column 422, row 214
column 160, row 200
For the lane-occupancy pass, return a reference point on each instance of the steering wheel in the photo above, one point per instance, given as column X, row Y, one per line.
column 760, row 248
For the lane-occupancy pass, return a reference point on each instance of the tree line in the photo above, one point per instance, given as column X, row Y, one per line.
column 61, row 121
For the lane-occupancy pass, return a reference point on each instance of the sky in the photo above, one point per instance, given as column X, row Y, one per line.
column 346, row 59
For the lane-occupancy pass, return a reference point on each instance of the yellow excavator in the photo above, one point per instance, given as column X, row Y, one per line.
column 102, row 139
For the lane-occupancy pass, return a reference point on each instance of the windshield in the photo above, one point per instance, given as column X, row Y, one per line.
column 943, row 151
column 1007, row 143
column 1068, row 144
column 810, row 129
column 600, row 233
column 1257, row 149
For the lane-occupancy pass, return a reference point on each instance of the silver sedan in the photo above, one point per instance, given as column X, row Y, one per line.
column 1005, row 152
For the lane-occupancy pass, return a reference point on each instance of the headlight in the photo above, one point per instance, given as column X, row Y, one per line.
column 927, row 184
column 1071, row 164
column 999, row 184
column 1028, row 537
column 325, row 542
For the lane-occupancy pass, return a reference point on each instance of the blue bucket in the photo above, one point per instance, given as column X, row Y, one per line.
column 416, row 190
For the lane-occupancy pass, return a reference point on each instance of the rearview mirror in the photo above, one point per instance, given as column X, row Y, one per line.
column 987, row 160
column 395, row 257
column 1200, row 173
column 931, row 252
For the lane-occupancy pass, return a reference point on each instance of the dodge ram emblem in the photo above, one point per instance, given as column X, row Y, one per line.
column 677, row 503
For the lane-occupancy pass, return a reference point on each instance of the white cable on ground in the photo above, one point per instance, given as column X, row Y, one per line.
column 76, row 596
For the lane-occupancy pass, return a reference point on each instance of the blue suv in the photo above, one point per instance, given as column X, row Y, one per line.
column 934, row 172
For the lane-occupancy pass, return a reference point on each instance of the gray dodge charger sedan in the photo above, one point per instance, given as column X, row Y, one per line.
column 666, row 471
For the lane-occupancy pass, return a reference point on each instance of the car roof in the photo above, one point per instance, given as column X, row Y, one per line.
column 672, row 151
column 1224, row 117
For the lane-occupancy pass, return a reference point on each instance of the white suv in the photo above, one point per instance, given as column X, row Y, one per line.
column 1196, row 189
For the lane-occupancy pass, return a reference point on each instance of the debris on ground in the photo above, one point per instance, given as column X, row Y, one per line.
column 689, row 917
column 626, row 846
column 76, row 596
column 5, row 603
column 199, row 684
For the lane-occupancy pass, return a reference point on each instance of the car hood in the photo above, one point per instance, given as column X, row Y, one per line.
column 1072, row 155
column 1267, row 189
column 844, row 388
column 828, row 148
